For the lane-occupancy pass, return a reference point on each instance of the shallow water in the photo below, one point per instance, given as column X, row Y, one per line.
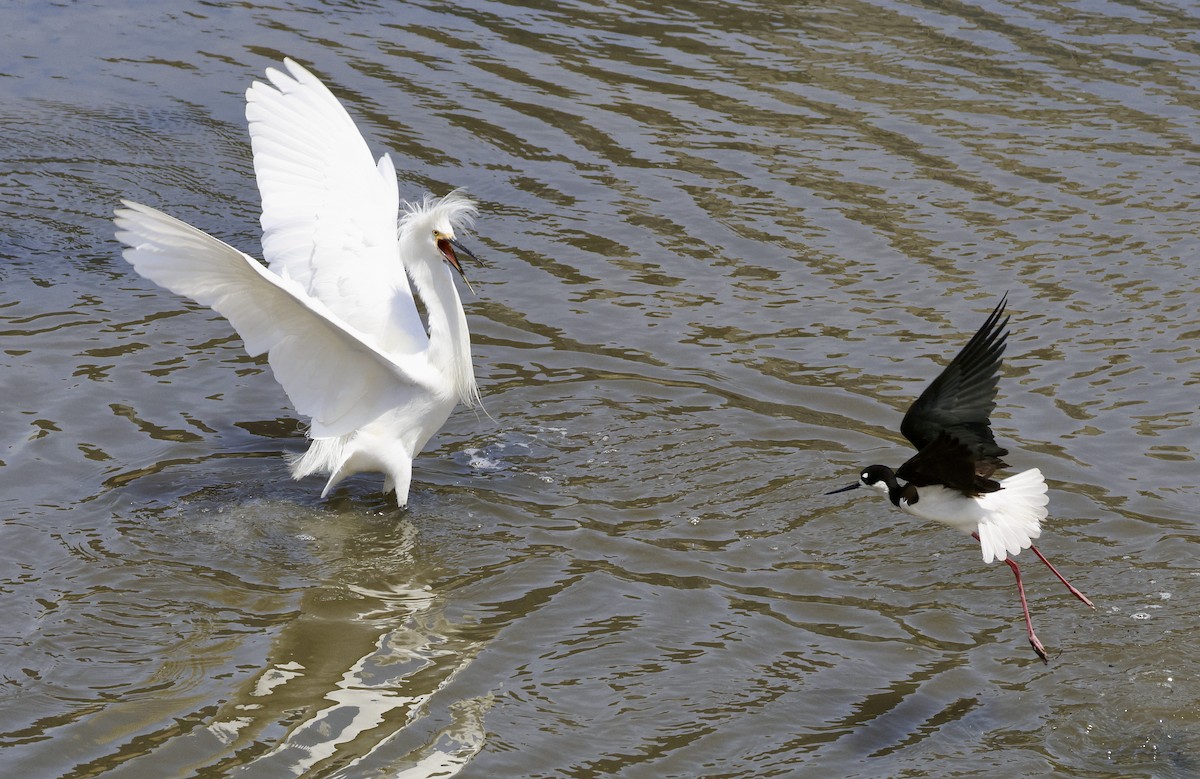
column 725, row 245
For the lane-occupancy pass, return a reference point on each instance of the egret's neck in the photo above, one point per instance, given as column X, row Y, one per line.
column 449, row 339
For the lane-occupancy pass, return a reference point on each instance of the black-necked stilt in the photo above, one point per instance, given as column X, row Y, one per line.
column 949, row 479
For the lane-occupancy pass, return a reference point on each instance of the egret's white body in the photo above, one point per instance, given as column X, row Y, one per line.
column 1006, row 521
column 334, row 309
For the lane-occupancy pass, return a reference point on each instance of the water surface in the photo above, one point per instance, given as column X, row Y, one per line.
column 725, row 244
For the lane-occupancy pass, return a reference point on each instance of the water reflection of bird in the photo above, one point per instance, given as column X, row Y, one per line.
column 949, row 479
column 335, row 311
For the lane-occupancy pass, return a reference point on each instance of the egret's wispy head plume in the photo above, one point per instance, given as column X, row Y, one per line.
column 451, row 213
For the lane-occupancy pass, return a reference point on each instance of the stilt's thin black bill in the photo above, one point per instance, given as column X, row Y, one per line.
column 847, row 488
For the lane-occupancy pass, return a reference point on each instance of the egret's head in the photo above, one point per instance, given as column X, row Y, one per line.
column 433, row 225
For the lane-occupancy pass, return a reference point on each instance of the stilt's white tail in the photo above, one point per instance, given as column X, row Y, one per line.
column 1013, row 515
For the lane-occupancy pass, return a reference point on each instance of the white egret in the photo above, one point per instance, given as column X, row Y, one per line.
column 334, row 311
column 949, row 479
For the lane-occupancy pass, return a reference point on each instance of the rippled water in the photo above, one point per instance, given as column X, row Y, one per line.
column 726, row 243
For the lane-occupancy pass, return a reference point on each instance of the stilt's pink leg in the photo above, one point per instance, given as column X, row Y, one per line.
column 1054, row 571
column 1033, row 639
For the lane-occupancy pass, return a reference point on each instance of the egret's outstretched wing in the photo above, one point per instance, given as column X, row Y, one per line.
column 959, row 402
column 331, row 372
column 329, row 212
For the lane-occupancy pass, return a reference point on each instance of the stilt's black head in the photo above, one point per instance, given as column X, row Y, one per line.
column 878, row 476
column 882, row 478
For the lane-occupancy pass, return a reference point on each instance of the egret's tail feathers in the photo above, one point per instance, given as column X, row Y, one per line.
column 1013, row 515
column 344, row 456
column 324, row 455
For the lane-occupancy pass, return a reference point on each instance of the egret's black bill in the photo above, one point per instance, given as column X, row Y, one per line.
column 847, row 488
column 451, row 250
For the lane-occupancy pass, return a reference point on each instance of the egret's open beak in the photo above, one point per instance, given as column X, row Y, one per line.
column 450, row 249
column 853, row 486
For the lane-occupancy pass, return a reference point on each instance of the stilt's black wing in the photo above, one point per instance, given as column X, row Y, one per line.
column 959, row 402
column 948, row 462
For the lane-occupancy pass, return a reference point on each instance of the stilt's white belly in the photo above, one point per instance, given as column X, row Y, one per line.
column 1007, row 520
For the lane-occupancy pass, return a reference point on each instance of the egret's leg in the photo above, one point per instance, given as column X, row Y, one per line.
column 335, row 478
column 1033, row 639
column 399, row 478
column 1054, row 570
